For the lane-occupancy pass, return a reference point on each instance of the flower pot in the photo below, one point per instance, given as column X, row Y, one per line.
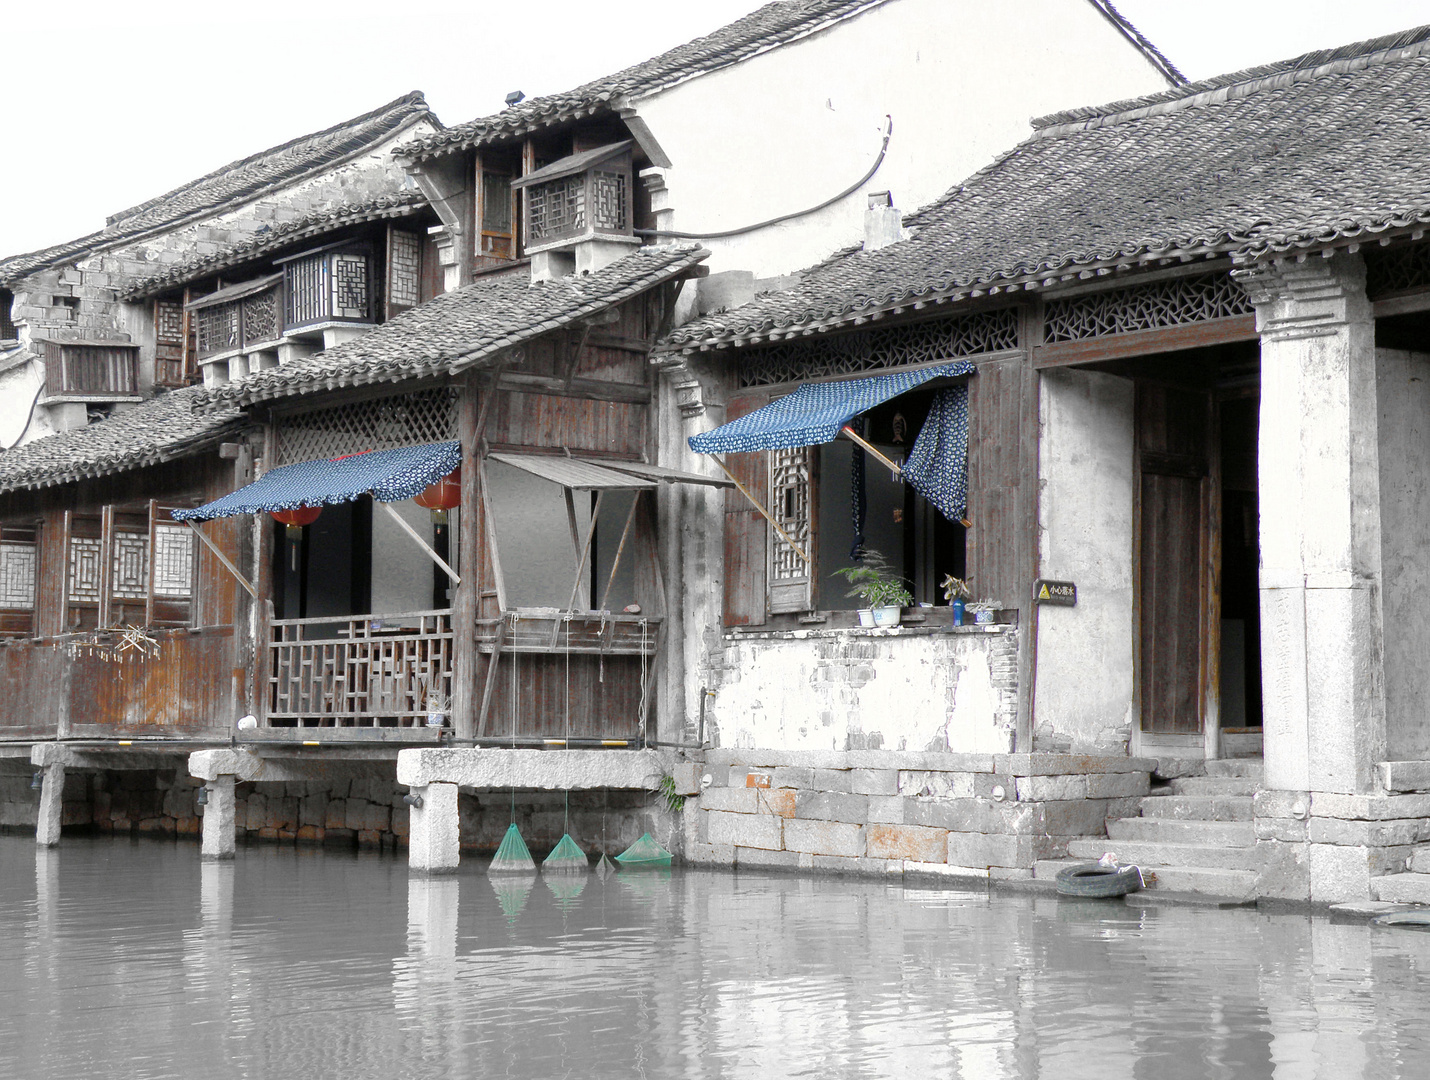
column 866, row 616
column 957, row 606
column 983, row 617
column 887, row 616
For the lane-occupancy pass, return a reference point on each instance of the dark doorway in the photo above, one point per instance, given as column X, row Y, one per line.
column 1240, row 562
column 324, row 568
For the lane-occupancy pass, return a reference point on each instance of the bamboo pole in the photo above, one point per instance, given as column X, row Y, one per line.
column 410, row 531
column 765, row 513
column 248, row 586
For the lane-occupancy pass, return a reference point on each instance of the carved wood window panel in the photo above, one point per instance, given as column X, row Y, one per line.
column 824, row 355
column 1397, row 270
column 792, row 499
column 1157, row 304
column 376, row 424
column 128, row 566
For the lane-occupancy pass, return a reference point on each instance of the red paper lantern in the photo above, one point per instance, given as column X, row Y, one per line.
column 298, row 516
column 445, row 494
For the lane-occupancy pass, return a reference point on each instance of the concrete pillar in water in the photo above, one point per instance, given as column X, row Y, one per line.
column 434, row 835
column 219, row 815
column 1322, row 633
column 52, row 802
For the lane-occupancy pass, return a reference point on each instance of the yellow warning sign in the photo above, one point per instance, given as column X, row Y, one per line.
column 1058, row 593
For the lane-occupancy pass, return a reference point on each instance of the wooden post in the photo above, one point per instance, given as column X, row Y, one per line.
column 467, row 596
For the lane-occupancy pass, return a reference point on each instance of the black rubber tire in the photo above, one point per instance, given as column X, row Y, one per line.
column 1096, row 880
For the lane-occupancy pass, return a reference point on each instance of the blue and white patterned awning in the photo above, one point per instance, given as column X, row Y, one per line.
column 815, row 412
column 386, row 475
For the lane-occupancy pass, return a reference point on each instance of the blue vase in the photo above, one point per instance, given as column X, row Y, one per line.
column 957, row 612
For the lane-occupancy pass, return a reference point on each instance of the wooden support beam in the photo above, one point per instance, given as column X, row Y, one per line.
column 763, row 512
column 869, row 448
column 221, row 557
column 423, row 544
column 491, row 531
column 621, row 547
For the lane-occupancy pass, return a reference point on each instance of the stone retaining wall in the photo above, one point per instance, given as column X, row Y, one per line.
column 881, row 812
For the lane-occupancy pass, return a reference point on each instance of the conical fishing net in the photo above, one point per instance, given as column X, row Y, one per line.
column 566, row 858
column 644, row 854
column 566, row 888
column 604, row 867
column 512, row 857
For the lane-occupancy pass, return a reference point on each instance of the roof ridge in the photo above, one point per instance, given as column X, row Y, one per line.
column 1388, row 48
column 802, row 18
column 406, row 103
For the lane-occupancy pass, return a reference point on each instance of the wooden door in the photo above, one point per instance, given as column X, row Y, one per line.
column 1174, row 563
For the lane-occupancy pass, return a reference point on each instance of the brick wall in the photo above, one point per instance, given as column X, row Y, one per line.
column 883, row 812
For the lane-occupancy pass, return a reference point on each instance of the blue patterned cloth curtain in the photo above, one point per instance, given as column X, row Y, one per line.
column 386, row 475
column 815, row 412
column 937, row 466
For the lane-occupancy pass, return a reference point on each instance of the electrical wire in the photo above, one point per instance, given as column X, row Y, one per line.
column 850, row 190
column 30, row 417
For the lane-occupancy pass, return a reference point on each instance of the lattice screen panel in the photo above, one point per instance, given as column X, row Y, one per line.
column 886, row 347
column 789, row 505
column 554, row 209
column 1396, row 270
column 1173, row 302
column 608, row 201
column 173, row 561
column 84, row 570
column 350, row 291
column 403, row 420
column 217, row 328
column 404, row 268
column 131, row 566
column 17, row 575
column 169, row 322
column 260, row 317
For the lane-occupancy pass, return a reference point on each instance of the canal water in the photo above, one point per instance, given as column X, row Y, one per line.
column 128, row 959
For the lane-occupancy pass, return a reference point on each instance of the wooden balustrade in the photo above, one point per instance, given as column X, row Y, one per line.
column 360, row 671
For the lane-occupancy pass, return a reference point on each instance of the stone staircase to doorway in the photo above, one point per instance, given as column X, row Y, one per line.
column 1194, row 835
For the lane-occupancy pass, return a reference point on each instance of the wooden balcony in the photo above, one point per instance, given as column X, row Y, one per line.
column 90, row 369
column 239, row 317
column 362, row 671
column 550, row 630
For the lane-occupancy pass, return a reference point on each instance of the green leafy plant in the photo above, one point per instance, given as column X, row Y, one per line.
column 674, row 802
column 875, row 582
column 955, row 589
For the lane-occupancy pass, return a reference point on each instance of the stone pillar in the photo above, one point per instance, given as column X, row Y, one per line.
column 433, row 844
column 1322, row 638
column 219, row 813
column 52, row 803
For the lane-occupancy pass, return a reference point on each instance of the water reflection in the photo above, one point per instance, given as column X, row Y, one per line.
column 136, row 960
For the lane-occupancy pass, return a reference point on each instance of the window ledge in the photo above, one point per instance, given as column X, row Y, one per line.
column 760, row 634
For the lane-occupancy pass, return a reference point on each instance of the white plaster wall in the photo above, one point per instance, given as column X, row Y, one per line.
column 787, row 130
column 943, row 692
column 1403, row 380
column 1084, row 681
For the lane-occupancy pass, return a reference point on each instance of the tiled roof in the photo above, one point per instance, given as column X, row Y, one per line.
column 461, row 328
column 769, row 27
column 398, row 204
column 159, row 429
column 234, row 183
column 1319, row 150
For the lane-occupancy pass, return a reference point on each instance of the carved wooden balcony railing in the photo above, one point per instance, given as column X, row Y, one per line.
column 329, row 285
column 239, row 317
column 361, row 671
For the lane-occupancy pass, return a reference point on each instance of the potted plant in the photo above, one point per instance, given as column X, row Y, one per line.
column 982, row 611
column 956, row 592
column 882, row 591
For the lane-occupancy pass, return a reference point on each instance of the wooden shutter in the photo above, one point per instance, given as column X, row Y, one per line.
column 169, row 355
column 792, row 499
column 404, row 272
column 746, row 532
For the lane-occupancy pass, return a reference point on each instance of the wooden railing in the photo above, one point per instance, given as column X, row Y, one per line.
column 247, row 320
column 96, row 368
column 550, row 630
column 360, row 671
column 82, row 685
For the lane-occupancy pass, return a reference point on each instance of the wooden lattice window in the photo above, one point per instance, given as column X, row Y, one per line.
column 329, row 285
column 581, row 196
column 131, row 565
column 404, row 271
column 379, row 424
column 823, row 355
column 8, row 331
column 791, row 505
column 170, row 356
column 497, row 213
column 96, row 369
column 237, row 317
column 19, row 565
column 1157, row 304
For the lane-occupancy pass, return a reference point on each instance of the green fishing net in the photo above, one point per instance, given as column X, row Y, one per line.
column 566, row 858
column 512, row 891
column 644, row 854
column 604, row 867
column 512, row 857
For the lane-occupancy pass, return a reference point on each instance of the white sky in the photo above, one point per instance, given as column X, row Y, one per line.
column 118, row 103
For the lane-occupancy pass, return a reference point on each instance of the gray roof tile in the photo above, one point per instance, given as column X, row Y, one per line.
column 1303, row 154
column 460, row 328
column 235, row 182
column 157, row 430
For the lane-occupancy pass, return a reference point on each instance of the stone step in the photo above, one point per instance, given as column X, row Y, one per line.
column 1175, row 831
column 1231, row 884
column 1205, row 881
column 1198, row 807
column 1152, row 853
column 1214, row 785
column 1244, row 767
column 1402, row 888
